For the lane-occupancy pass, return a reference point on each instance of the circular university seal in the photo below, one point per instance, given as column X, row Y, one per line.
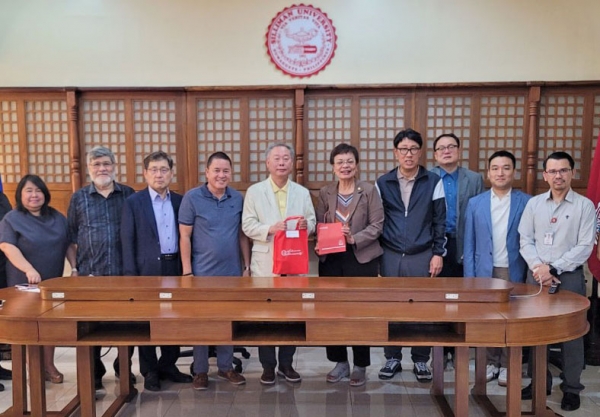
column 301, row 40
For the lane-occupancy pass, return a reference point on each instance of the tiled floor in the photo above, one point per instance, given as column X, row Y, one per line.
column 313, row 397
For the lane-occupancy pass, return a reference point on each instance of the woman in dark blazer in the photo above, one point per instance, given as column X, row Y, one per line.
column 358, row 206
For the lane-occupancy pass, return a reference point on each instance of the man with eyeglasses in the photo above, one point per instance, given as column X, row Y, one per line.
column 460, row 184
column 413, row 239
column 150, row 246
column 558, row 229
column 94, row 221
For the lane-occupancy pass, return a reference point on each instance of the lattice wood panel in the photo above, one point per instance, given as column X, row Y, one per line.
column 48, row 140
column 328, row 124
column 10, row 164
column 501, row 127
column 381, row 118
column 561, row 127
column 270, row 120
column 104, row 124
column 596, row 124
column 154, row 129
column 448, row 114
column 219, row 125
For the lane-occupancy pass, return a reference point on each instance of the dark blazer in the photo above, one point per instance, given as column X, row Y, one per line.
column 139, row 235
column 470, row 184
column 479, row 248
column 366, row 218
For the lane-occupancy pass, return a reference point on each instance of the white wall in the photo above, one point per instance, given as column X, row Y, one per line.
column 221, row 42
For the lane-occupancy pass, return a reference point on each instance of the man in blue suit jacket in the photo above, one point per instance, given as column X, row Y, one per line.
column 492, row 240
column 150, row 245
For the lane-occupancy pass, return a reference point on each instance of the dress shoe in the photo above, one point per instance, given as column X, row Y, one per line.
column 570, row 401
column 527, row 392
column 132, row 378
column 176, row 376
column 98, row 384
column 289, row 374
column 5, row 374
column 268, row 376
column 1, row 387
column 151, row 381
column 55, row 377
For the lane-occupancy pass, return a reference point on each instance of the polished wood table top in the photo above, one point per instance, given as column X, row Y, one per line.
column 123, row 311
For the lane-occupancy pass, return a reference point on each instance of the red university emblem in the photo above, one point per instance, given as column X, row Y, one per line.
column 301, row 40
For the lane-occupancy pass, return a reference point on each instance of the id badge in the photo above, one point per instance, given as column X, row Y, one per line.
column 549, row 238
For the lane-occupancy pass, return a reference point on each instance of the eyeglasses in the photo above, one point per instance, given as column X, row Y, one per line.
column 562, row 171
column 443, row 149
column 341, row 162
column 155, row 171
column 97, row 165
column 405, row 151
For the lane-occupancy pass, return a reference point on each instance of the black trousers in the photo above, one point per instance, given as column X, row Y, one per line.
column 344, row 264
column 149, row 361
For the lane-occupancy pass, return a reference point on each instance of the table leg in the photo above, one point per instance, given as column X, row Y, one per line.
column 513, row 389
column 461, row 381
column 37, row 380
column 19, row 380
column 480, row 387
column 540, row 358
column 437, row 362
column 85, row 381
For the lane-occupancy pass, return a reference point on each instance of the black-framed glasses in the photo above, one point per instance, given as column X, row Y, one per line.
column 562, row 171
column 446, row 148
column 405, row 151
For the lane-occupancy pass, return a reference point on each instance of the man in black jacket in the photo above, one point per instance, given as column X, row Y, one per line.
column 413, row 238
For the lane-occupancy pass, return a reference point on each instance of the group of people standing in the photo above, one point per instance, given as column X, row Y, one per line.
column 413, row 222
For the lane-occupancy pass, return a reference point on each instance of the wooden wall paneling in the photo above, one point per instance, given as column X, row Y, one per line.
column 127, row 166
column 155, row 127
column 503, row 126
column 532, row 138
column 381, row 117
column 74, row 149
column 561, row 124
column 272, row 118
column 103, row 121
column 10, row 154
column 449, row 112
column 328, row 123
column 299, row 135
column 471, row 149
column 191, row 147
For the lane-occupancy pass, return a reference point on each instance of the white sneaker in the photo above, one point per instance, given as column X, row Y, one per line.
column 502, row 377
column 341, row 370
column 491, row 372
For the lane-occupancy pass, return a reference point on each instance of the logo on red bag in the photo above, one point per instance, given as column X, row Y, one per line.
column 301, row 40
column 291, row 252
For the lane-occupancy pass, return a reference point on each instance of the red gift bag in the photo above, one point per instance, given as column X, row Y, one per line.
column 290, row 251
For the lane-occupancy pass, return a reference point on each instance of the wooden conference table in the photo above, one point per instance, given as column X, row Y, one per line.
column 304, row 311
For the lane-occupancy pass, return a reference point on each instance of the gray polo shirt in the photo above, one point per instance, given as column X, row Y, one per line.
column 216, row 230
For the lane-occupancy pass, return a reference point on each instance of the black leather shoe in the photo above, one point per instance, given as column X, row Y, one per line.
column 570, row 401
column 98, row 384
column 151, row 381
column 5, row 374
column 1, row 387
column 176, row 376
column 527, row 392
column 132, row 378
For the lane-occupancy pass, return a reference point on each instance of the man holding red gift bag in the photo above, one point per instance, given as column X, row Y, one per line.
column 267, row 207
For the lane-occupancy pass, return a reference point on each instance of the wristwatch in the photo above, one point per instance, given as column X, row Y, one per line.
column 553, row 271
